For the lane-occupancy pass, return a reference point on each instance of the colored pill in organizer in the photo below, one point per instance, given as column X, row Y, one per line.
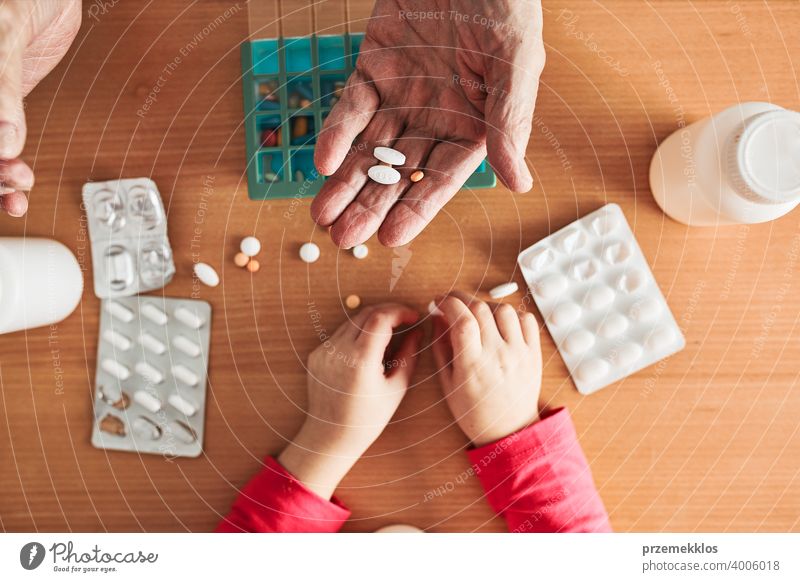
column 154, row 314
column 185, row 375
column 147, row 400
column 182, row 405
column 187, row 346
column 151, row 343
column 149, row 372
column 117, row 339
column 119, row 311
column 389, row 156
column 360, row 251
column 504, row 290
column 189, row 317
column 384, row 175
column 113, row 367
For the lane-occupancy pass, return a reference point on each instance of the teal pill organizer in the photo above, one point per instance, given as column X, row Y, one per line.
column 290, row 86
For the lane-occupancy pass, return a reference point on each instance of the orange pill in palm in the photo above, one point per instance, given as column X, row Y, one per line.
column 417, row 176
column 253, row 266
column 241, row 260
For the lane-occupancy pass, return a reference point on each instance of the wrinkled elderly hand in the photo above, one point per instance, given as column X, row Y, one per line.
column 34, row 36
column 444, row 82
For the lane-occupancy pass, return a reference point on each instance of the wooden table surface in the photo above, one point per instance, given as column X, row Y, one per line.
column 707, row 440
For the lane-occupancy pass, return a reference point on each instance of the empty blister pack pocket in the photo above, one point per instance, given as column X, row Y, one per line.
column 600, row 300
column 150, row 384
column 128, row 231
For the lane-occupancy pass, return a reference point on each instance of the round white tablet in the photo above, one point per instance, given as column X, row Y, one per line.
column 578, row 342
column 592, row 370
column 504, row 290
column 389, row 156
column 384, row 175
column 206, row 274
column 309, row 252
column 250, row 246
column 360, row 251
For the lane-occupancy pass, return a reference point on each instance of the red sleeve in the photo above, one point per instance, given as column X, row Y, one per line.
column 274, row 501
column 538, row 479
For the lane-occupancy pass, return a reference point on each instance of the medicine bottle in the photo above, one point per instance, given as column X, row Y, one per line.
column 741, row 166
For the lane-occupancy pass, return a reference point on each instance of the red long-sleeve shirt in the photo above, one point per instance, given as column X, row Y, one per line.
column 537, row 479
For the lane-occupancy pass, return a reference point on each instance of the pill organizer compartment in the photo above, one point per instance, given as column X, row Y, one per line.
column 278, row 76
column 150, row 384
column 599, row 300
column 128, row 232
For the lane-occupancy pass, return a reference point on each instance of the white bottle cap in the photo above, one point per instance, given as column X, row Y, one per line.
column 764, row 158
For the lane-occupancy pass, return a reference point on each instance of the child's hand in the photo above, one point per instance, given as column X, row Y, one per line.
column 490, row 365
column 356, row 381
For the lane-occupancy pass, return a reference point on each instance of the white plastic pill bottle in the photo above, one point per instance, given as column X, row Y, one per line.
column 40, row 283
column 741, row 166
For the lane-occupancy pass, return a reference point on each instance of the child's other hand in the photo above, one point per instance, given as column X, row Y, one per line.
column 490, row 366
column 356, row 381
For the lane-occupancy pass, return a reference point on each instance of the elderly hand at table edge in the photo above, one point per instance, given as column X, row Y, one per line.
column 34, row 36
column 444, row 83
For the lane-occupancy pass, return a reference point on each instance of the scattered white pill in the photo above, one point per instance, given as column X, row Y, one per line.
column 627, row 355
column 389, row 156
column 539, row 259
column 599, row 297
column 182, row 432
column 250, row 246
column 360, row 251
column 186, row 345
column 384, row 175
column 433, row 309
column 578, row 342
column 617, row 253
column 565, row 314
column 551, row 286
column 119, row 311
column 206, row 274
column 592, row 370
column 612, row 326
column 182, row 405
column 154, row 314
column 146, row 428
column 185, row 375
column 189, row 317
column 504, row 290
column 309, row 252
column 646, row 310
column 631, row 281
column 113, row 367
column 152, row 343
column 149, row 372
column 660, row 338
column 116, row 339
column 584, row 270
column 147, row 400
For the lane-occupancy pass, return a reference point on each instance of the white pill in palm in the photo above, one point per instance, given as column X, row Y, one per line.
column 551, row 286
column 309, row 252
column 384, row 175
column 149, row 373
column 185, row 375
column 154, row 314
column 504, row 290
column 206, row 274
column 565, row 314
column 612, row 326
column 189, row 317
column 660, row 338
column 599, row 297
column 250, row 246
column 592, row 370
column 628, row 354
column 389, row 156
column 147, row 400
column 360, row 251
column 578, row 342
column 113, row 367
column 182, row 405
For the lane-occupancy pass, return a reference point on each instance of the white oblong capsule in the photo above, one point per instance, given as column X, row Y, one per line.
column 182, row 405
column 118, row 340
column 147, row 400
column 185, row 375
column 389, row 156
column 384, row 175
column 152, row 343
column 206, row 274
column 149, row 372
column 113, row 367
column 182, row 432
column 186, row 345
column 119, row 311
column 154, row 314
column 189, row 317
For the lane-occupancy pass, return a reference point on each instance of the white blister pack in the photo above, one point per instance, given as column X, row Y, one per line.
column 150, row 384
column 128, row 231
column 599, row 300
